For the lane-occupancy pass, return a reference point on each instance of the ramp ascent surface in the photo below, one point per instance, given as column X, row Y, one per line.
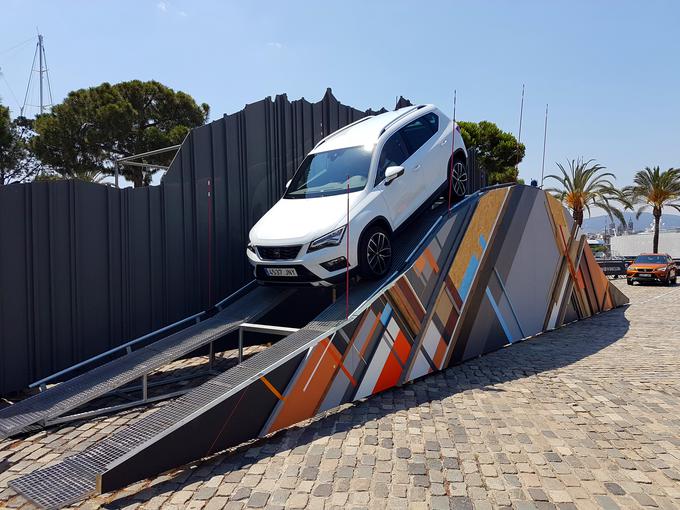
column 69, row 395
column 502, row 265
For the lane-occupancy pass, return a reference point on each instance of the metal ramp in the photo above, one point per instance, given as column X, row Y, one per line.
column 69, row 395
column 458, row 291
column 202, row 412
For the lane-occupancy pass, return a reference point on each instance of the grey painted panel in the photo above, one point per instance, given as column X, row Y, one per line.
column 530, row 278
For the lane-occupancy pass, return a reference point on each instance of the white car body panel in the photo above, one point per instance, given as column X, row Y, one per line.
column 299, row 221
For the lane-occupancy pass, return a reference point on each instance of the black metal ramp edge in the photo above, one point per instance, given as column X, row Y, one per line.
column 161, row 436
column 75, row 392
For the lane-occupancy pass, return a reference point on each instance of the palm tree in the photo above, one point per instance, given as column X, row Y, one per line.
column 656, row 189
column 587, row 185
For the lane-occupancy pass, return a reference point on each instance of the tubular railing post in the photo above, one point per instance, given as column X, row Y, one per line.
column 145, row 387
column 240, row 345
column 211, row 358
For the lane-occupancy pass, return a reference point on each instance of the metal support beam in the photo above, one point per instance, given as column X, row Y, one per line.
column 260, row 328
column 150, row 153
column 113, row 409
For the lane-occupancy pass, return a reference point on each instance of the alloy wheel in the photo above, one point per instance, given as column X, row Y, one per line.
column 379, row 253
column 459, row 179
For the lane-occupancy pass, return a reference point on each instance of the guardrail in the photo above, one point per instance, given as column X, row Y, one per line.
column 42, row 383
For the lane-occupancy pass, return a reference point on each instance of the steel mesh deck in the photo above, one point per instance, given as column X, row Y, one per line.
column 75, row 477
column 81, row 389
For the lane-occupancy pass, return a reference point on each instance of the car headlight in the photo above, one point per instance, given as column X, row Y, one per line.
column 331, row 239
column 664, row 268
column 251, row 247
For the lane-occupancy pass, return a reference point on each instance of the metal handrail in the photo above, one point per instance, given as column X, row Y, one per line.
column 128, row 345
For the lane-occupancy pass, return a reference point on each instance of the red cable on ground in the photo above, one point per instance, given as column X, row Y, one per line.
column 347, row 271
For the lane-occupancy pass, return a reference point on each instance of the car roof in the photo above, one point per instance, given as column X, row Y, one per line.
column 363, row 132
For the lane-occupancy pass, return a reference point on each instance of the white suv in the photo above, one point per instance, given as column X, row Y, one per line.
column 382, row 169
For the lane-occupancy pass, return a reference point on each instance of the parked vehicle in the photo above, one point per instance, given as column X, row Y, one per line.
column 652, row 267
column 388, row 167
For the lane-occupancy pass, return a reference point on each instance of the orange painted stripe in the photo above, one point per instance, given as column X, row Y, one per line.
column 272, row 389
column 431, row 260
column 420, row 264
column 439, row 354
column 333, row 352
column 572, row 269
column 389, row 376
column 402, row 347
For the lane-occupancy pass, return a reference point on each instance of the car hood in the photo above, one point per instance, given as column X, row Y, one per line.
column 301, row 220
column 635, row 267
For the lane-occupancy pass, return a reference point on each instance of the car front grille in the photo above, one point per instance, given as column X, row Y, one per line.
column 278, row 252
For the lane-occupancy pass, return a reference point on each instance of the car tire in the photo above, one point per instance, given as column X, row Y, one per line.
column 375, row 252
column 456, row 179
column 629, row 281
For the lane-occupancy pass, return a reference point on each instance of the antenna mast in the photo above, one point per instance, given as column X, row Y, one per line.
column 545, row 135
column 519, row 134
column 43, row 79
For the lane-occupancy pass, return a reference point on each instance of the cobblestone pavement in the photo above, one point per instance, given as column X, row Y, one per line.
column 587, row 416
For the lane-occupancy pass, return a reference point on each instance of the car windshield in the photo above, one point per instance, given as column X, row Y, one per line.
column 650, row 259
column 328, row 173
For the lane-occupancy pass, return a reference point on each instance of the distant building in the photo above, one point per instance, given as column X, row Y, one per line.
column 634, row 244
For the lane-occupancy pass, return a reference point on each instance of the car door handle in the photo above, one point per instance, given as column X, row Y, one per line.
column 446, row 140
column 417, row 167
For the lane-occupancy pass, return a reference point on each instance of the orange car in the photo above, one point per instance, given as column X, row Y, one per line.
column 652, row 267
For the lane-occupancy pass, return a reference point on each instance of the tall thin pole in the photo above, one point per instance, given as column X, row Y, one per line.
column 545, row 136
column 519, row 134
column 40, row 52
column 347, row 254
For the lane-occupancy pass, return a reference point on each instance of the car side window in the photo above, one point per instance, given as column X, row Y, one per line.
column 419, row 131
column 393, row 153
column 433, row 121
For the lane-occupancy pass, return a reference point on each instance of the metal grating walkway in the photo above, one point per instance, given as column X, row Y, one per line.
column 75, row 392
column 76, row 477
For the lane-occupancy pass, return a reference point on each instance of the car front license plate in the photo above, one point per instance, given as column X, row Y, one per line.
column 645, row 275
column 281, row 271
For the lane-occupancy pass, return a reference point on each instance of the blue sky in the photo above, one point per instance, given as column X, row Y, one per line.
column 610, row 70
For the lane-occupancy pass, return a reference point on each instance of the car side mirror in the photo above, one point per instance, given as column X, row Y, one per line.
column 288, row 183
column 392, row 172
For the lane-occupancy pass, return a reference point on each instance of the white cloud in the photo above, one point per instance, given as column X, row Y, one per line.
column 162, row 6
column 182, row 13
column 276, row 45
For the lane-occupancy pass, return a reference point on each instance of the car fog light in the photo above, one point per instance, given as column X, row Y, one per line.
column 335, row 264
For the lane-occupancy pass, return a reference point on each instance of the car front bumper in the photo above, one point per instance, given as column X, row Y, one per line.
column 308, row 267
column 647, row 277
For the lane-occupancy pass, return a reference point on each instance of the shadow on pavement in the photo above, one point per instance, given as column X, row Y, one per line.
column 549, row 351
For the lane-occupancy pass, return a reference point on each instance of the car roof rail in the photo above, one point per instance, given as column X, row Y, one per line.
column 343, row 129
column 409, row 109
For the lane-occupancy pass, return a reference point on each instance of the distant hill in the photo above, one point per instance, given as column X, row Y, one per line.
column 597, row 224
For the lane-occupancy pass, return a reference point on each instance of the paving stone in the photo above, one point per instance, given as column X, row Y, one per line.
column 581, row 417
column 258, row 500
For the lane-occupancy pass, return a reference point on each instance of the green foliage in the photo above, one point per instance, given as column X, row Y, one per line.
column 16, row 161
column 93, row 127
column 656, row 189
column 586, row 184
column 498, row 150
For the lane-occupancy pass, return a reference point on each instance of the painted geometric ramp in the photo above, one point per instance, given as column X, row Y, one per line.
column 505, row 264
